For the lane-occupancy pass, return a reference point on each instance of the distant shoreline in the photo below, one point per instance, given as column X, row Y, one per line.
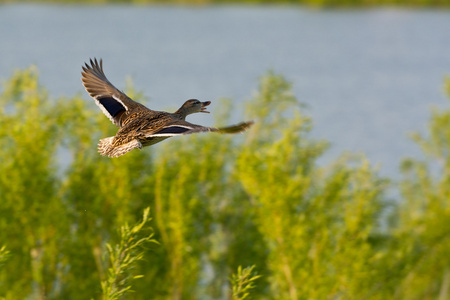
column 322, row 4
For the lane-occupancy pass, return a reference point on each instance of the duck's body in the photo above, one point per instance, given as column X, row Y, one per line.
column 139, row 125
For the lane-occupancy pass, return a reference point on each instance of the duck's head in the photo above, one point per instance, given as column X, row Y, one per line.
column 193, row 106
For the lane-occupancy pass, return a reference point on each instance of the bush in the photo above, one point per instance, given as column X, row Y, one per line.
column 218, row 203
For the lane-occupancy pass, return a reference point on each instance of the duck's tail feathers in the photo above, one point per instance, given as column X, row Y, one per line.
column 235, row 128
column 106, row 147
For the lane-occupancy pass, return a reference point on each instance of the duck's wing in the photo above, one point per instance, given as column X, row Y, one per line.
column 183, row 127
column 113, row 103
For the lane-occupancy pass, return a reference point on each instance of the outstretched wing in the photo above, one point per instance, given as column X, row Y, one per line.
column 113, row 103
column 183, row 127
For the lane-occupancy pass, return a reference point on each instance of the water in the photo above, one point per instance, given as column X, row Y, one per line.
column 368, row 77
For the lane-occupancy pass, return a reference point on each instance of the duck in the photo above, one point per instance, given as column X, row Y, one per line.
column 138, row 125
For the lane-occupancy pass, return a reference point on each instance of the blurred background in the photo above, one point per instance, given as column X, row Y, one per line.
column 368, row 76
column 340, row 189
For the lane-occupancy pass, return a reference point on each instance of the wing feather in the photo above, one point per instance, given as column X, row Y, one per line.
column 183, row 128
column 113, row 103
column 178, row 128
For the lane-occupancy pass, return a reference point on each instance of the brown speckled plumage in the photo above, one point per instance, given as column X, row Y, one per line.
column 139, row 125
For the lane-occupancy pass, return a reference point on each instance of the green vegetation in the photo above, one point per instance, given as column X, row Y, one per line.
column 242, row 282
column 233, row 217
column 123, row 257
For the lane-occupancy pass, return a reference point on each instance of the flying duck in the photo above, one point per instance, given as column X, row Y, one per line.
column 139, row 125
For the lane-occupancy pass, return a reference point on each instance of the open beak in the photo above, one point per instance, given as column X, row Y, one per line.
column 204, row 105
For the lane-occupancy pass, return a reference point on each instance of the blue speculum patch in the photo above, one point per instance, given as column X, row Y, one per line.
column 112, row 106
column 174, row 130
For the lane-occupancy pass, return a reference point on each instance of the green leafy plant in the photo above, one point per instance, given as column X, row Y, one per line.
column 261, row 199
column 242, row 282
column 3, row 255
column 124, row 256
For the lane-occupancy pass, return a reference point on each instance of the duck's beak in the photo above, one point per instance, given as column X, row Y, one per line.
column 204, row 105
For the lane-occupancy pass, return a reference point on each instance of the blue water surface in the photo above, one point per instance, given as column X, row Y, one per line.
column 368, row 77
